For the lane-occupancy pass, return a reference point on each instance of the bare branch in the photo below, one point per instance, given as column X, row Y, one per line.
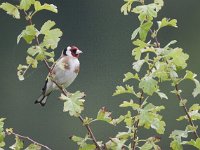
column 8, row 132
column 186, row 111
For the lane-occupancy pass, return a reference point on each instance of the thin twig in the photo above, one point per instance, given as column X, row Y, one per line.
column 91, row 134
column 65, row 92
column 186, row 110
column 156, row 39
column 27, row 138
column 136, row 125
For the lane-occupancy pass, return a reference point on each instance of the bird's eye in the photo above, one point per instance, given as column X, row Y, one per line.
column 74, row 51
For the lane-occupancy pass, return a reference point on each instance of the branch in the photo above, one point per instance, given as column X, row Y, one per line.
column 178, row 94
column 136, row 125
column 90, row 133
column 8, row 132
column 186, row 110
column 64, row 90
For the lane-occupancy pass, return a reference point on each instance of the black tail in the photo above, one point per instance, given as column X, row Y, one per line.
column 42, row 100
column 43, row 97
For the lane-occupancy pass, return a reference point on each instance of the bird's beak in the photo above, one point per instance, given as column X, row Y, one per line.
column 79, row 51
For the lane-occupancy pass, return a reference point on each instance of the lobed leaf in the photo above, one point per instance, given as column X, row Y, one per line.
column 10, row 9
column 18, row 144
column 148, row 85
column 148, row 117
column 162, row 95
column 73, row 103
column 178, row 57
column 28, row 34
column 33, row 147
column 196, row 91
column 129, row 76
column 2, row 133
column 121, row 90
column 49, row 7
column 26, row 4
column 127, row 6
column 31, row 61
column 115, row 144
column 144, row 29
column 51, row 36
column 82, row 143
column 135, row 106
column 194, row 143
column 104, row 115
column 167, row 22
column 138, row 64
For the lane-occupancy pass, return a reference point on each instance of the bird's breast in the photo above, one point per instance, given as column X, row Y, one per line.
column 66, row 71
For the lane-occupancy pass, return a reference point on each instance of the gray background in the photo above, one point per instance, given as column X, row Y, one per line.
column 99, row 29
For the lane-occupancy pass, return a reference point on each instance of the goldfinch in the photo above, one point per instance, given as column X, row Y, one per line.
column 64, row 71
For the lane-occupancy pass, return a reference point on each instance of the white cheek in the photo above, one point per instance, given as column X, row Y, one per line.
column 68, row 48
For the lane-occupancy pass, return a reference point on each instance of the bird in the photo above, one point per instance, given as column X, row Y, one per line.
column 64, row 72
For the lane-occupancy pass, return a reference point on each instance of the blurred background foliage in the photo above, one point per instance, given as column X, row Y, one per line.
column 103, row 34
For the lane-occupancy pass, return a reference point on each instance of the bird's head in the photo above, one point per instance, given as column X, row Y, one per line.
column 72, row 51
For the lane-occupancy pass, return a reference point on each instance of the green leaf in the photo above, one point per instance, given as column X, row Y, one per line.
column 162, row 95
column 194, row 107
column 175, row 145
column 82, row 143
column 178, row 134
column 33, row 147
column 73, row 103
column 138, row 64
column 135, row 106
column 28, row 34
column 2, row 133
column 148, row 85
column 138, row 50
column 104, row 115
column 135, row 33
column 194, row 143
column 47, row 26
column 190, row 75
column 160, row 4
column 26, row 4
column 121, row 90
column 50, row 7
column 115, row 144
column 170, row 43
column 146, row 12
column 147, row 146
column 124, row 135
column 127, row 6
column 33, row 50
column 196, row 91
column 167, row 22
column 128, row 120
column 11, row 10
column 31, row 61
column 18, row 144
column 129, row 76
column 1, row 124
column 87, row 120
column 178, row 57
column 21, row 69
column 144, row 29
column 2, row 136
column 151, row 144
column 148, row 117
column 51, row 36
column 158, row 125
